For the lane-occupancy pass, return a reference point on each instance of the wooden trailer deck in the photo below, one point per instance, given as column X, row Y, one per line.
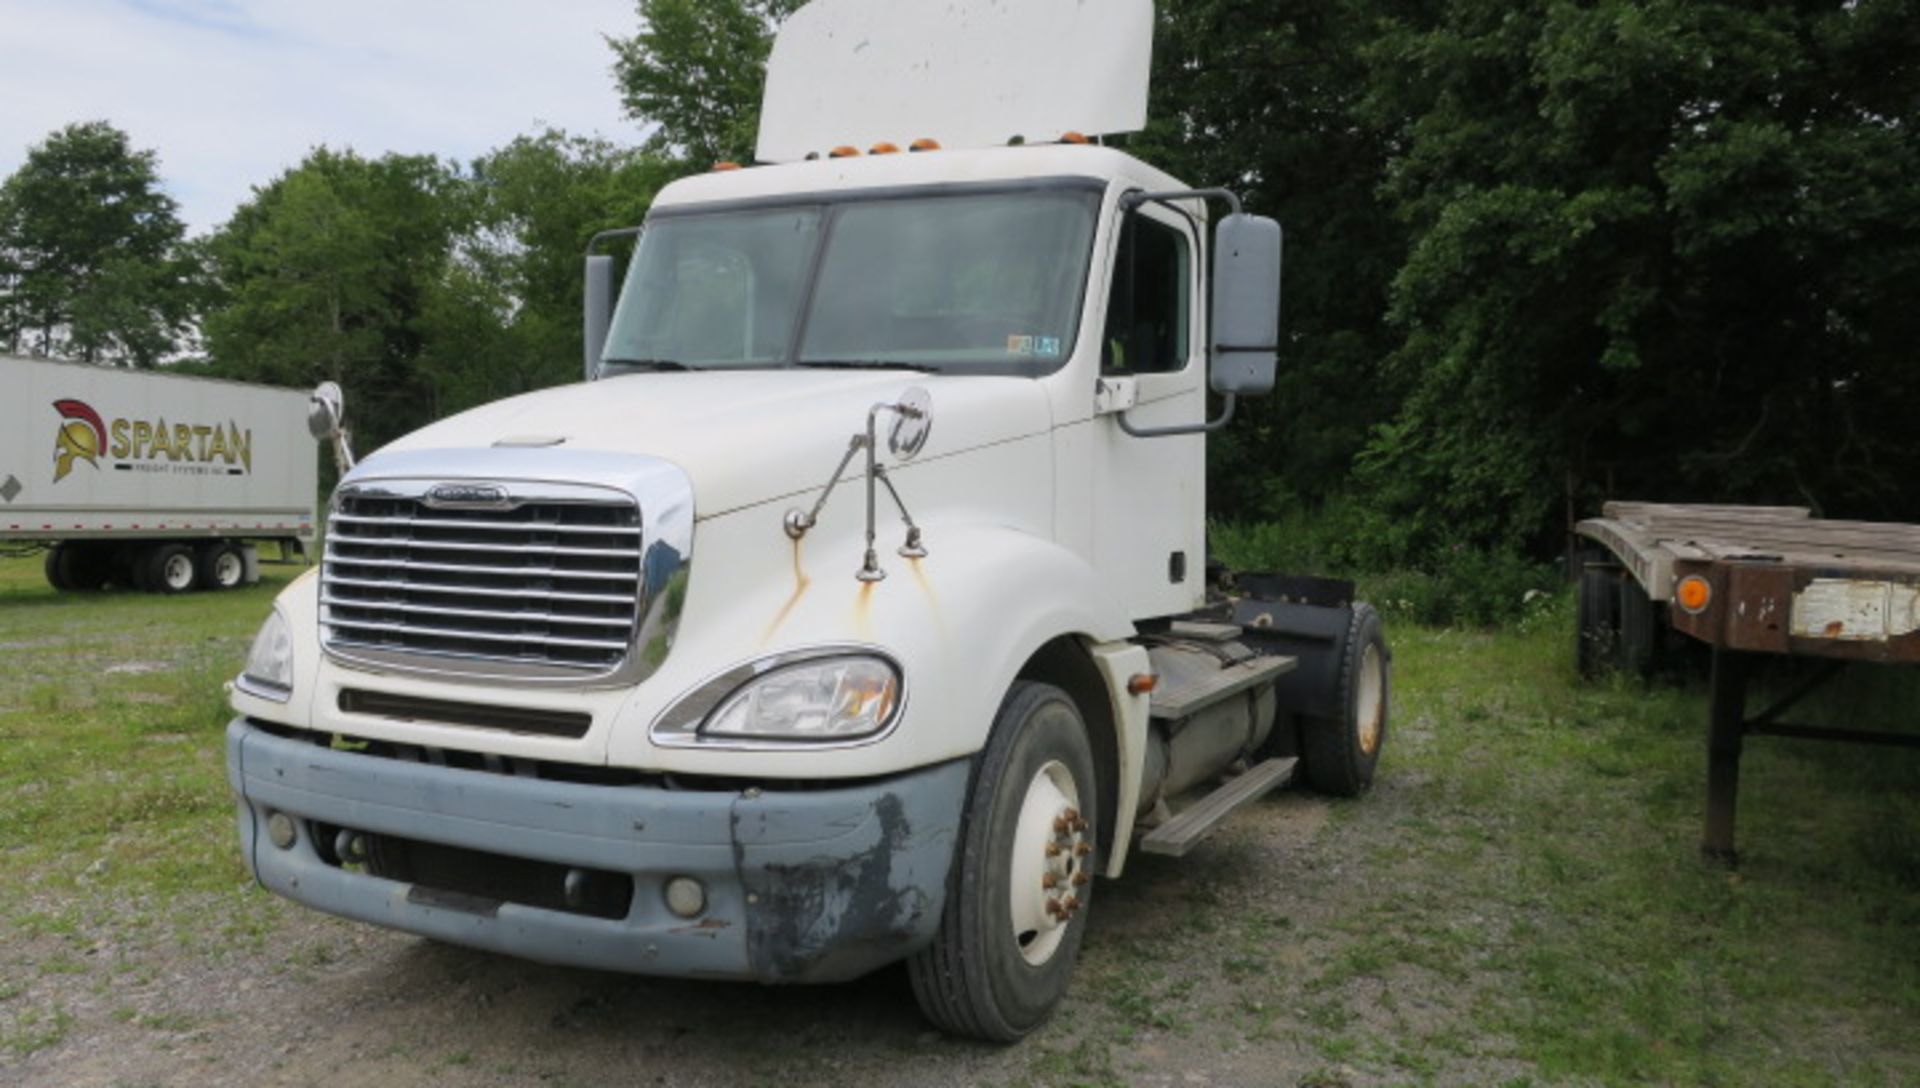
column 1752, row 581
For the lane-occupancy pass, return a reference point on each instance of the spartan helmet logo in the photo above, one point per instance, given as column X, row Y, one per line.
column 81, row 437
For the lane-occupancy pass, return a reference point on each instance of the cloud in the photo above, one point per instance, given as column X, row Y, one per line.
column 230, row 93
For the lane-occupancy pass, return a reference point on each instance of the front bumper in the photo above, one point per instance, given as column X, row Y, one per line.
column 801, row 886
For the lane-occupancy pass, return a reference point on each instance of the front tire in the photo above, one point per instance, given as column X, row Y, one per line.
column 1017, row 900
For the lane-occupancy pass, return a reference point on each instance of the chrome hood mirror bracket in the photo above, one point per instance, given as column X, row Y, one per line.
column 913, row 422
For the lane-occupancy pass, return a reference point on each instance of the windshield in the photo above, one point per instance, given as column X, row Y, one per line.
column 988, row 283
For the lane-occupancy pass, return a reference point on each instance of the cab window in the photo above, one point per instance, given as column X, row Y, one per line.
column 1149, row 307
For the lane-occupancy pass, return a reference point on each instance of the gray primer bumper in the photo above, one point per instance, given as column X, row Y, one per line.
column 804, row 886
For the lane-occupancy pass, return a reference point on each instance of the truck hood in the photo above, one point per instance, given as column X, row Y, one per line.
column 744, row 437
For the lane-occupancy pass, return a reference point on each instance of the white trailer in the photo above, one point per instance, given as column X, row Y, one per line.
column 856, row 610
column 157, row 481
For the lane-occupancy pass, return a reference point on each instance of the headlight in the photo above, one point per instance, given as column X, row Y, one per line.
column 269, row 671
column 824, row 696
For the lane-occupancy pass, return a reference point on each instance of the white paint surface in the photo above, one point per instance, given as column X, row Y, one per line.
column 968, row 73
column 1856, row 611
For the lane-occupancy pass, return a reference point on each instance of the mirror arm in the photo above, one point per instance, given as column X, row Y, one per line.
column 1133, row 200
column 1226, row 417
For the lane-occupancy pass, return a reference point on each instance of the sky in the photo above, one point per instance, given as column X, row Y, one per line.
column 231, row 93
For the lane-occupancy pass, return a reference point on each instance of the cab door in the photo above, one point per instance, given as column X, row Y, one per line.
column 1149, row 503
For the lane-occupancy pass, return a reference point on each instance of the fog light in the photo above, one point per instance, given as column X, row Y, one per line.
column 685, row 897
column 280, row 830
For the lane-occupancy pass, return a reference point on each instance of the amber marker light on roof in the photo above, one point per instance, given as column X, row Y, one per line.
column 843, row 152
column 723, row 167
column 884, row 148
column 924, row 144
column 1074, row 138
column 1694, row 594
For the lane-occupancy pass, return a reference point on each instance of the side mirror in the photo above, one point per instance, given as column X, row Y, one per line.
column 326, row 408
column 599, row 310
column 1246, row 305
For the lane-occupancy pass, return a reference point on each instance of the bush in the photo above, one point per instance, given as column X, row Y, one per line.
column 1456, row 586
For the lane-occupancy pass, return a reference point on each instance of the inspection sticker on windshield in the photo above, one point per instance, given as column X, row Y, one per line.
column 1047, row 346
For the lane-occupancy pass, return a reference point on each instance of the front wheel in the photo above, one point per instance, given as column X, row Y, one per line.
column 1017, row 901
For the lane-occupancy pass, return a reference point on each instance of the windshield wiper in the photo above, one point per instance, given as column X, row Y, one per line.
column 646, row 364
column 867, row 364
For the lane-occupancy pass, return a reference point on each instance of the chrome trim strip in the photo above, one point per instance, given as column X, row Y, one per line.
column 678, row 725
column 482, row 591
column 475, row 613
column 260, row 689
column 660, row 492
column 455, row 568
column 504, row 526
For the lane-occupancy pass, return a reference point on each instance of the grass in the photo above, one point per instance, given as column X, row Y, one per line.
column 113, row 795
column 1521, row 899
column 1518, row 902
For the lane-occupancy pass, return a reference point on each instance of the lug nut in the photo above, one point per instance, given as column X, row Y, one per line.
column 1082, row 849
column 1072, row 815
column 1080, row 879
column 1054, row 909
column 1053, row 849
column 1072, row 903
column 1049, row 880
column 1061, row 825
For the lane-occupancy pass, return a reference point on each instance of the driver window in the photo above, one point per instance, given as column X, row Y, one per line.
column 1148, row 307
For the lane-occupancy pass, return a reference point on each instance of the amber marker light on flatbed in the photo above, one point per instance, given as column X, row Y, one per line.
column 1693, row 594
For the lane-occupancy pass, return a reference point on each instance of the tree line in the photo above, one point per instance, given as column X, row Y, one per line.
column 1540, row 253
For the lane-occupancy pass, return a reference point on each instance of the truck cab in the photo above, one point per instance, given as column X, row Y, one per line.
column 854, row 610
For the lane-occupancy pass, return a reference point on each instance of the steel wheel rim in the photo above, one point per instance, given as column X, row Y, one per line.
column 226, row 569
column 1051, row 846
column 177, row 571
column 1372, row 709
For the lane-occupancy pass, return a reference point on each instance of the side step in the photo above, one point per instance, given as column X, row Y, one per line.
column 1179, row 835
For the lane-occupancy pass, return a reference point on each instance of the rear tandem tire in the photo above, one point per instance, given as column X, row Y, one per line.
column 166, row 568
column 1340, row 754
column 219, row 566
column 1000, row 961
column 59, row 561
column 1597, row 619
column 1639, row 629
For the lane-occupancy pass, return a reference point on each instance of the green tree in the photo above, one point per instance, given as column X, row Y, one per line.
column 1659, row 249
column 330, row 271
column 92, row 260
column 507, row 318
column 695, row 71
column 1265, row 98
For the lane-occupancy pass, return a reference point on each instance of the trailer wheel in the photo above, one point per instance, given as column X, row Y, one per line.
column 59, row 559
column 1639, row 646
column 219, row 566
column 1340, row 754
column 166, row 568
column 1597, row 619
column 1017, row 898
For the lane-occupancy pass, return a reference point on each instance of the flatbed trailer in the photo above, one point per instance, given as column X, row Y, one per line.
column 1749, row 582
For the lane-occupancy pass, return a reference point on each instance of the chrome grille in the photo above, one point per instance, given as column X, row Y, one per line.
column 544, row 587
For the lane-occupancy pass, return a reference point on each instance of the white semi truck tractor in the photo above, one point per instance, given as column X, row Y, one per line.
column 855, row 610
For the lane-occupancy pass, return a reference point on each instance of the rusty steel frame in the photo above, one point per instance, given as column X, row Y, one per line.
column 1768, row 567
